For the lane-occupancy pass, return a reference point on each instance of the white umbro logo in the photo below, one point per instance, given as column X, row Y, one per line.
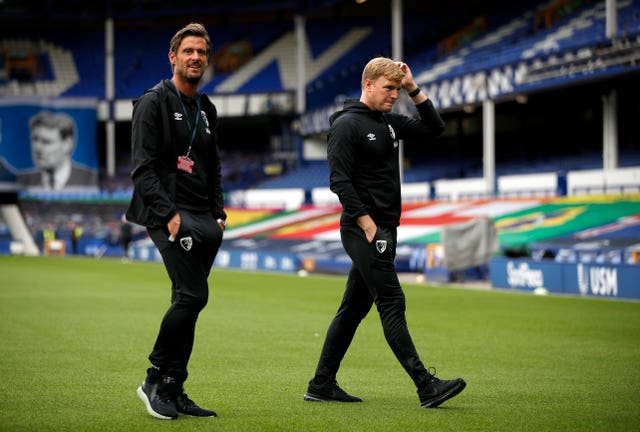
column 177, row 116
column 371, row 136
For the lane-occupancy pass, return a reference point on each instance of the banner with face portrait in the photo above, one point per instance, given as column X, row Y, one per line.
column 48, row 145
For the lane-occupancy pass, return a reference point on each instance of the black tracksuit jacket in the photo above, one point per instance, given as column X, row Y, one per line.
column 156, row 144
column 363, row 151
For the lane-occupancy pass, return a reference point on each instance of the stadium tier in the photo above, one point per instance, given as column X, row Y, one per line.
column 549, row 68
column 511, row 37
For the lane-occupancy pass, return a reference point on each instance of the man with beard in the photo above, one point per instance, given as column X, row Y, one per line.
column 178, row 197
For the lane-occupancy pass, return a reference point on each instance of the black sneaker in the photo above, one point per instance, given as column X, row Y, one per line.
column 438, row 391
column 329, row 392
column 158, row 401
column 186, row 406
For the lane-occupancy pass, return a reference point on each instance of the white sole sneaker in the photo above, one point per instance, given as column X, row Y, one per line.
column 145, row 399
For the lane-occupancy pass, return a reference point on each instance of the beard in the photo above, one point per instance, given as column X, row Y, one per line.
column 193, row 79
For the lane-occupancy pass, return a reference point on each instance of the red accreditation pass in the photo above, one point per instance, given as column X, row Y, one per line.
column 185, row 164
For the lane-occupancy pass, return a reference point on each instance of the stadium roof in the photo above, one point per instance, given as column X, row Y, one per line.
column 136, row 9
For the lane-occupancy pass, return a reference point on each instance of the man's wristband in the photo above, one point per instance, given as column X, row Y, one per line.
column 415, row 92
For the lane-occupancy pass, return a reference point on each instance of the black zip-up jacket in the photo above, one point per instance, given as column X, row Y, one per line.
column 155, row 151
column 363, row 151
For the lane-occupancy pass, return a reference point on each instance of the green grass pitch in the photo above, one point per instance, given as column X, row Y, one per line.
column 76, row 332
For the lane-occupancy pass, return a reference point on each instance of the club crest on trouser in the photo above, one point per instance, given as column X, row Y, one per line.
column 381, row 245
column 186, row 243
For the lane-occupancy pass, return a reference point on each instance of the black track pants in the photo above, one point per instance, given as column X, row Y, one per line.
column 188, row 261
column 372, row 279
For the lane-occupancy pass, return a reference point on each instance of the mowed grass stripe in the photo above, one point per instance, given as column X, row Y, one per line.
column 76, row 332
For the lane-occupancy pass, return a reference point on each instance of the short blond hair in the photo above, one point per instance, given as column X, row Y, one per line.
column 382, row 67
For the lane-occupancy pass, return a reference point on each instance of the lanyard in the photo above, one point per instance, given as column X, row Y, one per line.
column 195, row 123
